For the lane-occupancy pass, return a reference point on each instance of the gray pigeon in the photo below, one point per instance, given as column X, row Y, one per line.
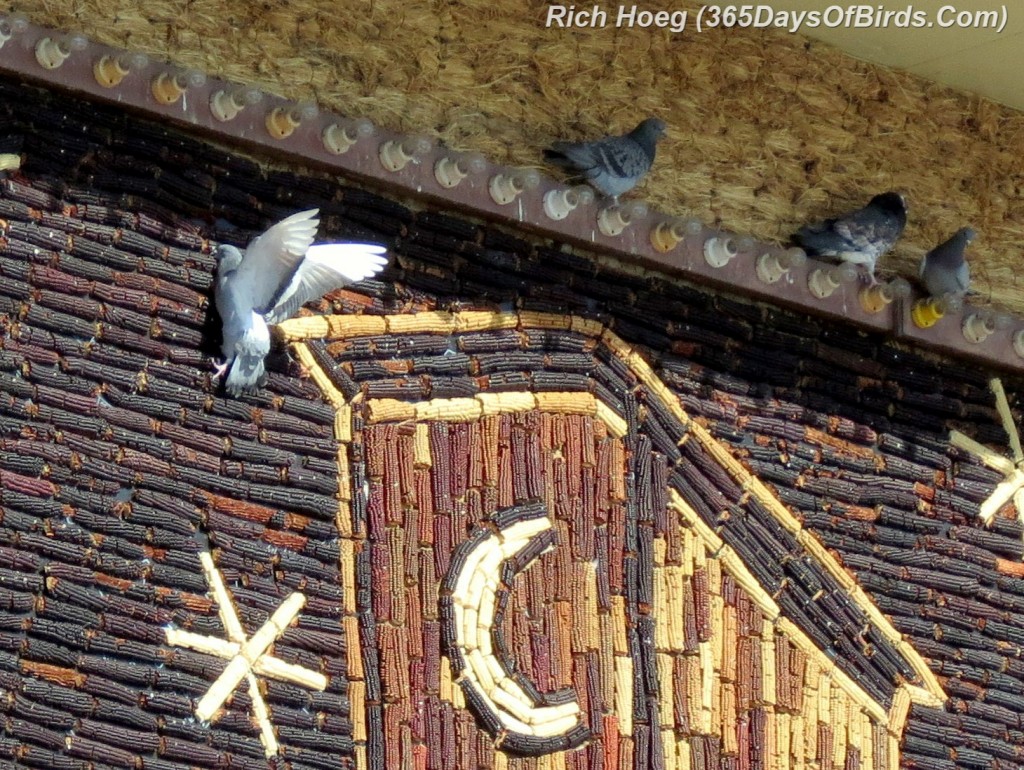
column 859, row 237
column 944, row 269
column 613, row 165
column 279, row 273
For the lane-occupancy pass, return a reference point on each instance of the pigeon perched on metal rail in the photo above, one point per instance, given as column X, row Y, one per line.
column 613, row 165
column 944, row 270
column 859, row 237
column 279, row 272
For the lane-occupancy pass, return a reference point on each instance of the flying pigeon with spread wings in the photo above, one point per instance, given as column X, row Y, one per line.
column 278, row 273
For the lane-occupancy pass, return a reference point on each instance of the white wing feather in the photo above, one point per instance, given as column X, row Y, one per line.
column 272, row 257
column 327, row 267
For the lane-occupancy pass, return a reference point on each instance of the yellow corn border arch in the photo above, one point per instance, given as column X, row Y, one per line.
column 296, row 331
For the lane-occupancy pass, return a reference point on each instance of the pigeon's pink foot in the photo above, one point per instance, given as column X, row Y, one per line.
column 219, row 370
column 868, row 277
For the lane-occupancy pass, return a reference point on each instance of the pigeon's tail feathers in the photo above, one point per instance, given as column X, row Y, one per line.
column 555, row 155
column 244, row 376
column 246, row 369
column 575, row 155
column 817, row 239
column 555, row 158
column 327, row 267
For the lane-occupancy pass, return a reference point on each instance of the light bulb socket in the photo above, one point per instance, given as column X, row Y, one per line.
column 720, row 250
column 450, row 170
column 52, row 52
column 12, row 25
column 668, row 234
column 339, row 138
column 613, row 220
column 167, row 87
column 823, row 281
column 978, row 327
column 109, row 71
column 771, row 266
column 506, row 187
column 225, row 104
column 874, row 299
column 281, row 122
column 396, row 155
column 927, row 312
column 558, row 204
column 1018, row 342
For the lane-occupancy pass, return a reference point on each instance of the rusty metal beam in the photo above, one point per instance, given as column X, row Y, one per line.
column 251, row 128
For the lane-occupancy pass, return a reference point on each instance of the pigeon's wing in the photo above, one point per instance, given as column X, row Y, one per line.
column 558, row 153
column 272, row 258
column 868, row 230
column 939, row 279
column 963, row 277
column 820, row 238
column 626, row 157
column 327, row 267
column 619, row 156
column 250, row 349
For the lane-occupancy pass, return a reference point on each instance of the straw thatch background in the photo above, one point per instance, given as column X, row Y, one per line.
column 766, row 130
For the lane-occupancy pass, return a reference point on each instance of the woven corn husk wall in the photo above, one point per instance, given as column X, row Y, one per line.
column 767, row 129
column 121, row 462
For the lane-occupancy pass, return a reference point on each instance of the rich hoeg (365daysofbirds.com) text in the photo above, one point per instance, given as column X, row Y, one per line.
column 712, row 16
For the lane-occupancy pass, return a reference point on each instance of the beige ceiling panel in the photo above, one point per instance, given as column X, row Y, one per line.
column 993, row 70
column 971, row 57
